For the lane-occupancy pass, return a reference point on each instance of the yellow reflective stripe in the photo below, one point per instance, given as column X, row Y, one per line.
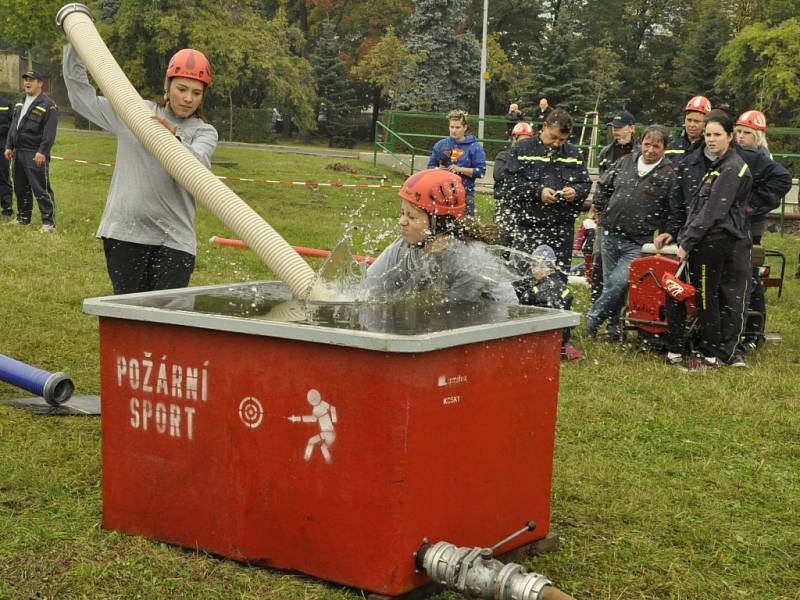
column 565, row 293
column 5, row 108
column 743, row 170
column 540, row 158
column 570, row 160
column 675, row 152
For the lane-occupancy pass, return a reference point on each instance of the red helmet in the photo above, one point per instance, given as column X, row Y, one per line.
column 754, row 119
column 698, row 104
column 522, row 128
column 190, row 63
column 437, row 192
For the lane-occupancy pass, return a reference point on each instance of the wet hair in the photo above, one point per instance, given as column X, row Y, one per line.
column 560, row 119
column 657, row 131
column 718, row 115
column 465, row 229
column 458, row 115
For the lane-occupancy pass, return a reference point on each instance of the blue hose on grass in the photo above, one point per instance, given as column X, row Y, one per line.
column 55, row 388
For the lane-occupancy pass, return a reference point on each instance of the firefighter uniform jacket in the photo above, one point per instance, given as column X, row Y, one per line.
column 542, row 167
column 771, row 180
column 679, row 148
column 613, row 152
column 716, row 195
column 6, row 115
column 36, row 132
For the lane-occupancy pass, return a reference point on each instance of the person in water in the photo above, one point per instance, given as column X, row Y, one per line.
column 439, row 251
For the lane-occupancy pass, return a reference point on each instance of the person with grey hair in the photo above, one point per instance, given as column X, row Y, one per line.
column 634, row 200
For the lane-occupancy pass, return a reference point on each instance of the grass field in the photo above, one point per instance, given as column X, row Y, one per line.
column 666, row 485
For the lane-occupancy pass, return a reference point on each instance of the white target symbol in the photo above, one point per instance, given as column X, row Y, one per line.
column 251, row 412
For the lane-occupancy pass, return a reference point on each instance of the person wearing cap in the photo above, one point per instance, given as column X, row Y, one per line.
column 691, row 138
column 147, row 225
column 30, row 138
column 6, row 114
column 635, row 201
column 460, row 153
column 623, row 129
column 506, row 173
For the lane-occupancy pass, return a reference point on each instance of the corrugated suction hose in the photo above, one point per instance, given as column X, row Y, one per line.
column 269, row 246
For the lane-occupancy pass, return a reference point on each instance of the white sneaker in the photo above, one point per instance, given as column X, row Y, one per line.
column 48, row 228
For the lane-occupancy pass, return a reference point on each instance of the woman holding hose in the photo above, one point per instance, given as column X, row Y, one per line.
column 147, row 226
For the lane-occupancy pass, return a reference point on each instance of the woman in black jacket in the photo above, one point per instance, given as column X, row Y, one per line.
column 716, row 243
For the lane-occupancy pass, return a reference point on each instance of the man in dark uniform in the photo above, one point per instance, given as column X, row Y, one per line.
column 553, row 184
column 32, row 133
column 6, row 114
column 691, row 138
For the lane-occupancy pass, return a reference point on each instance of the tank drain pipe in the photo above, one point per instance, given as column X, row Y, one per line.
column 76, row 22
column 475, row 573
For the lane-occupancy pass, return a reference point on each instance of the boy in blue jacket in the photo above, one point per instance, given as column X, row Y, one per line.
column 461, row 154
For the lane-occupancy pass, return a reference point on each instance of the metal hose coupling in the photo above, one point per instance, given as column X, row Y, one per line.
column 475, row 574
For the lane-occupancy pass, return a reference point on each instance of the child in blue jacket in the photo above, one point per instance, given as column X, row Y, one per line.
column 461, row 154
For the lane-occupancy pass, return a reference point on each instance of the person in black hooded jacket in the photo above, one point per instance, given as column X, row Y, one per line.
column 715, row 241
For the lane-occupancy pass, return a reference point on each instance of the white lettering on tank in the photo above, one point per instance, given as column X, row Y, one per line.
column 191, row 383
column 162, row 387
column 122, row 369
column 148, row 371
column 177, row 381
column 135, row 413
column 161, row 417
column 133, row 374
column 174, row 420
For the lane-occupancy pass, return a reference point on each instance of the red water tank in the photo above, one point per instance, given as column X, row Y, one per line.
column 279, row 445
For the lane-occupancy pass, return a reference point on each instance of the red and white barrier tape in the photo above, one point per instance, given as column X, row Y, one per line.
column 310, row 184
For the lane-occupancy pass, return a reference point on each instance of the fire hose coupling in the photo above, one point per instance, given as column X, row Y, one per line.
column 474, row 573
column 68, row 9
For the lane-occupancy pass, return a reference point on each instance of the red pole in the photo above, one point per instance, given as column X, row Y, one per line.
column 301, row 250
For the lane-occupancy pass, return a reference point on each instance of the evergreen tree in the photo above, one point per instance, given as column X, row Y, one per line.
column 561, row 73
column 337, row 112
column 449, row 75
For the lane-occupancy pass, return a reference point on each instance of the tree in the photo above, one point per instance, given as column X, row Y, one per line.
column 696, row 67
column 760, row 67
column 255, row 60
column 337, row 110
column 449, row 75
column 385, row 66
column 27, row 24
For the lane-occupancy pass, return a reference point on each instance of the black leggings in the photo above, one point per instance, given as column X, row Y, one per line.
column 142, row 268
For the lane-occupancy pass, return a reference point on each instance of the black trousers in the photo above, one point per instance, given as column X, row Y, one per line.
column 5, row 185
column 721, row 271
column 30, row 181
column 143, row 268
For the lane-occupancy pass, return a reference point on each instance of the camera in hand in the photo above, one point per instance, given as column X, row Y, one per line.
column 559, row 195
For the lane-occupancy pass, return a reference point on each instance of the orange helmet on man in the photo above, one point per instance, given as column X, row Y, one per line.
column 699, row 104
column 438, row 192
column 522, row 128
